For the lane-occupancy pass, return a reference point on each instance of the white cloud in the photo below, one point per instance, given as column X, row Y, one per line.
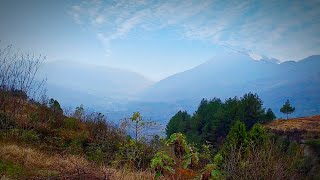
column 280, row 29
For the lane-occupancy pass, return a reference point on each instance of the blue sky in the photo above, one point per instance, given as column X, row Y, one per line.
column 158, row 38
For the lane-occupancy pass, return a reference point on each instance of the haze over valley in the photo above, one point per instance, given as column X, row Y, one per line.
column 125, row 92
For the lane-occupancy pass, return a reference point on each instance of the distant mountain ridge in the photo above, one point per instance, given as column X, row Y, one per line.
column 118, row 93
column 81, row 83
column 236, row 74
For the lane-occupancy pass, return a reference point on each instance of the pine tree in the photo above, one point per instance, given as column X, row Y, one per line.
column 287, row 108
column 178, row 123
column 269, row 116
column 252, row 109
column 236, row 138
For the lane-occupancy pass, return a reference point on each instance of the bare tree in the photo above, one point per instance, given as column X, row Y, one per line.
column 138, row 126
column 18, row 76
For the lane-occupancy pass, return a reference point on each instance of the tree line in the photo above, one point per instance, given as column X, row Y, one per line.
column 213, row 119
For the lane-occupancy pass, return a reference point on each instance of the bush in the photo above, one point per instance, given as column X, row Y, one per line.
column 282, row 142
column 11, row 169
column 71, row 123
column 237, row 138
column 261, row 158
column 179, row 153
column 75, row 146
column 315, row 144
column 162, row 164
column 257, row 135
column 134, row 155
column 96, row 155
column 30, row 136
column 6, row 123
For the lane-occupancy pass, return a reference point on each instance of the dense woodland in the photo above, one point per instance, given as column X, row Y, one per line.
column 221, row 140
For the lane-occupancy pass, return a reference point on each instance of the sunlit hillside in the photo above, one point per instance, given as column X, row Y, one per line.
column 309, row 124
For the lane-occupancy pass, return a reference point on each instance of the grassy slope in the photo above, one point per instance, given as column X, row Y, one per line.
column 309, row 124
column 21, row 161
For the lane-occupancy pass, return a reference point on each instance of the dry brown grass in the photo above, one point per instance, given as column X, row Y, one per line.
column 41, row 165
column 307, row 124
column 147, row 175
column 33, row 158
column 130, row 175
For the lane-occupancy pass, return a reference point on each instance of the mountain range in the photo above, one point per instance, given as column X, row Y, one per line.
column 119, row 92
column 237, row 74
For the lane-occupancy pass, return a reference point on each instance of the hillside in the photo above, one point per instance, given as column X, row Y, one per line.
column 37, row 141
column 20, row 162
column 305, row 131
column 309, row 124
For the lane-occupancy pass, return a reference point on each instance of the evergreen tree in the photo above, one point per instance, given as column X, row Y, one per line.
column 287, row 108
column 251, row 109
column 55, row 106
column 56, row 117
column 257, row 135
column 213, row 119
column 269, row 116
column 178, row 123
column 237, row 137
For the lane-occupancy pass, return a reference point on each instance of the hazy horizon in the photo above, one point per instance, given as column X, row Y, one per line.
column 160, row 38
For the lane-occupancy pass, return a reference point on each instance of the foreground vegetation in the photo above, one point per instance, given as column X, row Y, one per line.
column 39, row 140
column 221, row 140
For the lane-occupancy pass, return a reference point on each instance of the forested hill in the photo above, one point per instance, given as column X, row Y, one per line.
column 213, row 119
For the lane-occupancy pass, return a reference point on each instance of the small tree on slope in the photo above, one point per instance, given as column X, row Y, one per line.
column 287, row 108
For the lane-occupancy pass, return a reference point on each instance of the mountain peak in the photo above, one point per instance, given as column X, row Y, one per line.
column 271, row 60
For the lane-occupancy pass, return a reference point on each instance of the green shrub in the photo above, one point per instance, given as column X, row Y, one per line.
column 315, row 144
column 96, row 155
column 211, row 171
column 29, row 136
column 162, row 164
column 11, row 169
column 206, row 154
column 282, row 143
column 133, row 155
column 237, row 138
column 75, row 147
column 6, row 123
column 70, row 123
column 257, row 135
column 293, row 148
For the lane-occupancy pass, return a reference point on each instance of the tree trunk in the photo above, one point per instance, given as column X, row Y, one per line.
column 136, row 132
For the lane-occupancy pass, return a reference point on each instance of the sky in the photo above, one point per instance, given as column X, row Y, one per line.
column 158, row 38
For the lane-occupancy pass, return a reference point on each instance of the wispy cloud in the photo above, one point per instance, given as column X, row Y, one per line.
column 280, row 29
